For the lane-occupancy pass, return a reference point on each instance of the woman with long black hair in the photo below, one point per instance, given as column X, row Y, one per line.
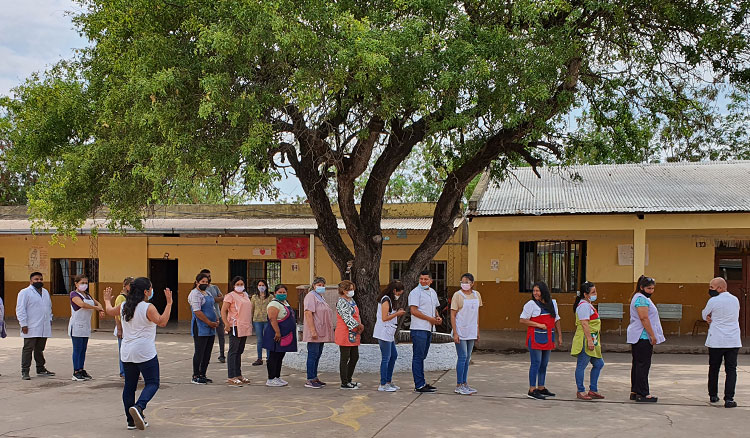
column 644, row 331
column 542, row 318
column 280, row 335
column 138, row 351
column 202, row 327
column 586, row 345
column 385, row 332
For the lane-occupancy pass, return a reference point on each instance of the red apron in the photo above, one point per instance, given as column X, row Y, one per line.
column 541, row 339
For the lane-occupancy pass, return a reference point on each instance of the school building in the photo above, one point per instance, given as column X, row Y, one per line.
column 273, row 242
column 679, row 223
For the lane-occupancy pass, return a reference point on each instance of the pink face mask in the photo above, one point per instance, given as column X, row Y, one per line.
column 466, row 286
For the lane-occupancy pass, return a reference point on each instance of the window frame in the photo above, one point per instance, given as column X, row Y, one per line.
column 250, row 281
column 571, row 281
column 439, row 284
column 90, row 269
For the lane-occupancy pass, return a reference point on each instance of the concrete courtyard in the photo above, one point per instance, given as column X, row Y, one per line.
column 59, row 407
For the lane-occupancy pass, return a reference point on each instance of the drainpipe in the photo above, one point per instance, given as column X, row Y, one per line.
column 312, row 257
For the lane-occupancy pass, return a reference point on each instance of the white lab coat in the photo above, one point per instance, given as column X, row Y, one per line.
column 35, row 312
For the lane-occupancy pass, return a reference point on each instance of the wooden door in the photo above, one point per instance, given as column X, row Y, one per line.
column 734, row 267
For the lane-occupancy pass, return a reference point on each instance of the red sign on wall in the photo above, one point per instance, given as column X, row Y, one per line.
column 292, row 247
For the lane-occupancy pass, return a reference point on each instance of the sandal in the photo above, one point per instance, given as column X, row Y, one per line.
column 595, row 395
column 646, row 399
column 583, row 396
column 247, row 381
column 236, row 383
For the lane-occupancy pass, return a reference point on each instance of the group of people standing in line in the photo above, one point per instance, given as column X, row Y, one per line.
column 270, row 317
column 541, row 316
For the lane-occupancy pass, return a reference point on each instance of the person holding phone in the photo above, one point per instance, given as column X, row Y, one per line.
column 465, row 306
column 279, row 336
column 385, row 333
column 587, row 346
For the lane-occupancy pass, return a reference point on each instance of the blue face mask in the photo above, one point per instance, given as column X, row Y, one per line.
column 320, row 289
column 592, row 298
column 148, row 296
column 424, row 286
column 281, row 297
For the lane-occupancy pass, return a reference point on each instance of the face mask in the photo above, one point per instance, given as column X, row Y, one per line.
column 396, row 297
column 281, row 297
column 648, row 295
column 239, row 289
column 350, row 294
column 38, row 284
column 713, row 293
column 149, row 294
column 202, row 286
column 592, row 298
column 424, row 286
column 261, row 289
column 83, row 287
column 320, row 289
column 466, row 286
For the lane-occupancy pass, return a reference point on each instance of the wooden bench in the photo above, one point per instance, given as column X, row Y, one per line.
column 670, row 312
column 611, row 311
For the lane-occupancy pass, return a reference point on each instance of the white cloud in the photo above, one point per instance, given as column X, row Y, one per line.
column 35, row 35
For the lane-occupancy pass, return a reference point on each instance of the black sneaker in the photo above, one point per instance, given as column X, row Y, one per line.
column 44, row 372
column 131, row 426
column 78, row 377
column 426, row 390
column 713, row 399
column 25, row 375
column 536, row 394
column 137, row 413
column 207, row 379
column 222, row 359
column 198, row 380
column 431, row 387
column 730, row 403
column 349, row 385
column 545, row 392
column 86, row 375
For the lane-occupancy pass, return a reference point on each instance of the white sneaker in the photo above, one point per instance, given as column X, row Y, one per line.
column 462, row 390
column 393, row 386
column 386, row 388
column 273, row 383
column 281, row 381
column 470, row 389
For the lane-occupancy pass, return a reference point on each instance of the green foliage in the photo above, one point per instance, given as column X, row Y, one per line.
column 204, row 100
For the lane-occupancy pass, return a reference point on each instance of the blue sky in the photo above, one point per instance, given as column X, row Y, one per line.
column 35, row 34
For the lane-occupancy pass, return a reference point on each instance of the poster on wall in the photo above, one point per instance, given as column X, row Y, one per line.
column 38, row 259
column 262, row 251
column 625, row 255
column 292, row 247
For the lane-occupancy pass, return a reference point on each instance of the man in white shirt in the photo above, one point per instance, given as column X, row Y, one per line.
column 722, row 313
column 423, row 302
column 34, row 313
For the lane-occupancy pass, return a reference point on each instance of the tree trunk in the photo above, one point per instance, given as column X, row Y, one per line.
column 365, row 274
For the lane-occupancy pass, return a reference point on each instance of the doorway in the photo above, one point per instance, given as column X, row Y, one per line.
column 163, row 274
column 734, row 266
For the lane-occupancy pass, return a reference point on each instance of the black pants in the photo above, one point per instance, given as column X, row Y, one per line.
column 202, row 354
column 273, row 364
column 349, row 358
column 715, row 356
column 36, row 346
column 234, row 359
column 220, row 335
column 642, row 352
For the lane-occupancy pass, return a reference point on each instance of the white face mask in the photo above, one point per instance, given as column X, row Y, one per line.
column 239, row 289
column 83, row 287
column 396, row 297
column 466, row 286
column 261, row 289
column 350, row 294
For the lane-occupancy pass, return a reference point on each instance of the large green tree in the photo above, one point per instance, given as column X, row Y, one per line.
column 202, row 99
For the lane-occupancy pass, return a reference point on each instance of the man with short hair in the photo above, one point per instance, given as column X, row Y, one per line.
column 423, row 303
column 722, row 313
column 34, row 313
column 218, row 297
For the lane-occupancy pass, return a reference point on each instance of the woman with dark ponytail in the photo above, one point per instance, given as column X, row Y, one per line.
column 542, row 318
column 138, row 351
column 644, row 331
column 586, row 342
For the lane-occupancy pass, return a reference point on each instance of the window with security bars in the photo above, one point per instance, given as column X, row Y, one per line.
column 438, row 269
column 64, row 272
column 254, row 270
column 561, row 264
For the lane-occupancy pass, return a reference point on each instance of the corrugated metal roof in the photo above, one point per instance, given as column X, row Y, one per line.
column 228, row 226
column 623, row 188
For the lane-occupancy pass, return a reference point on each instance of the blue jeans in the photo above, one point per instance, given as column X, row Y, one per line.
column 463, row 349
column 389, row 355
column 420, row 346
column 596, row 367
column 258, row 328
column 538, row 368
column 314, row 351
column 150, row 372
column 79, row 351
column 119, row 347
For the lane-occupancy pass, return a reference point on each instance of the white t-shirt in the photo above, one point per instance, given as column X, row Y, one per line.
column 724, row 331
column 426, row 302
column 138, row 336
column 531, row 309
column 584, row 311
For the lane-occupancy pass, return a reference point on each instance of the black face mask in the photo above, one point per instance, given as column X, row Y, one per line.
column 38, row 284
column 202, row 286
column 713, row 293
column 648, row 295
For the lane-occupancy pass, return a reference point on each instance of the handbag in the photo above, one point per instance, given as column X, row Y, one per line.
column 287, row 339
